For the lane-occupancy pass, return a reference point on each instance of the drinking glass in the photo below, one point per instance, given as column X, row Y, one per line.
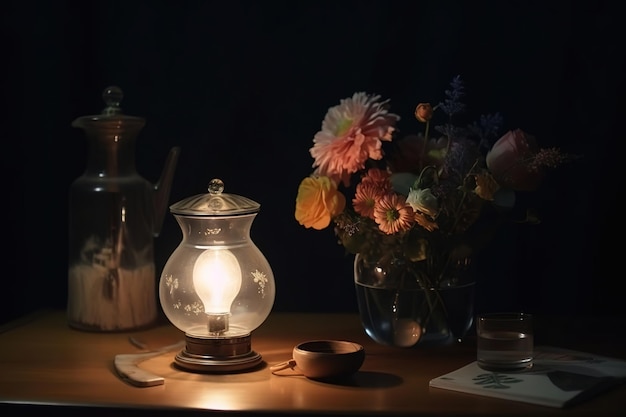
column 505, row 341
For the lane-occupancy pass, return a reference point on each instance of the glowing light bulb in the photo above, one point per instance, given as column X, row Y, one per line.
column 217, row 280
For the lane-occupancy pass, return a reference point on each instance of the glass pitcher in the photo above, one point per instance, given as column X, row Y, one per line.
column 114, row 216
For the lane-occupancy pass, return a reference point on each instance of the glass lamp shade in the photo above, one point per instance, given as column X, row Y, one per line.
column 217, row 286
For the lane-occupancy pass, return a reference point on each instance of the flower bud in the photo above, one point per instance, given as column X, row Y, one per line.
column 424, row 112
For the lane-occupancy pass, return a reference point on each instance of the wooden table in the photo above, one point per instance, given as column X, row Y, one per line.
column 44, row 363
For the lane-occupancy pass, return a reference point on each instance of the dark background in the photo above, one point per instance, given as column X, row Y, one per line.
column 242, row 87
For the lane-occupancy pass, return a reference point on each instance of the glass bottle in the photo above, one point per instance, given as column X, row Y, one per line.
column 114, row 216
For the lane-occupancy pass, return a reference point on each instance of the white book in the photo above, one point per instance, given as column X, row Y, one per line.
column 558, row 378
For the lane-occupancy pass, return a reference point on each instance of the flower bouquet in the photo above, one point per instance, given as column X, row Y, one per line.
column 414, row 210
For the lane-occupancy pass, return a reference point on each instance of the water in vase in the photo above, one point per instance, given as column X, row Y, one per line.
column 411, row 317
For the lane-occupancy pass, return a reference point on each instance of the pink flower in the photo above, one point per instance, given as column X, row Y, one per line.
column 351, row 134
column 509, row 161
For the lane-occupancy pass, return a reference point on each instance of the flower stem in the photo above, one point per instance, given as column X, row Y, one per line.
column 423, row 171
column 426, row 132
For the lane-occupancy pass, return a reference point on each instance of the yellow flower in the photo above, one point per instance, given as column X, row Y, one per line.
column 424, row 112
column 317, row 202
column 486, row 186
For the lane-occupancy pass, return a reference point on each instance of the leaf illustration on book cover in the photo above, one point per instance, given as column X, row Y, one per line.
column 495, row 381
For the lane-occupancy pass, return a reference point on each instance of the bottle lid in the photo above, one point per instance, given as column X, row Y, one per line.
column 111, row 115
column 215, row 203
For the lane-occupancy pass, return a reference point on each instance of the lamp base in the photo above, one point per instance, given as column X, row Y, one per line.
column 218, row 354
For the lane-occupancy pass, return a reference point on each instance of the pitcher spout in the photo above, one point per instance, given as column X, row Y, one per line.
column 162, row 189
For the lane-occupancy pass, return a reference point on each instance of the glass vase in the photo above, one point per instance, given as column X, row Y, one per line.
column 399, row 307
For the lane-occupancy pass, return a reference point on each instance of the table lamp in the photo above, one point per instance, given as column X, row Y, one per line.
column 217, row 286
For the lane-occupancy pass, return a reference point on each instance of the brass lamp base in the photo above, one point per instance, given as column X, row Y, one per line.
column 218, row 354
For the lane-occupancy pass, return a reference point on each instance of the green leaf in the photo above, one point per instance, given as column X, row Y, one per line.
column 401, row 182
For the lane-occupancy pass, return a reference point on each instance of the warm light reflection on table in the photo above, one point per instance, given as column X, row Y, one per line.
column 44, row 362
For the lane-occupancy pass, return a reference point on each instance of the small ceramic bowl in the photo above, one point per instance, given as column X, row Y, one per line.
column 325, row 359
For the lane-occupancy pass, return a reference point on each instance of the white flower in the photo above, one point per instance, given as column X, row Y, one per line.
column 423, row 201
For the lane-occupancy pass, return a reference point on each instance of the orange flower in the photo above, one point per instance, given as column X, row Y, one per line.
column 426, row 223
column 393, row 215
column 424, row 112
column 317, row 202
column 365, row 198
column 379, row 178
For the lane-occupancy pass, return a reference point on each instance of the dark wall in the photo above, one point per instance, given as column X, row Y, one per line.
column 242, row 87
